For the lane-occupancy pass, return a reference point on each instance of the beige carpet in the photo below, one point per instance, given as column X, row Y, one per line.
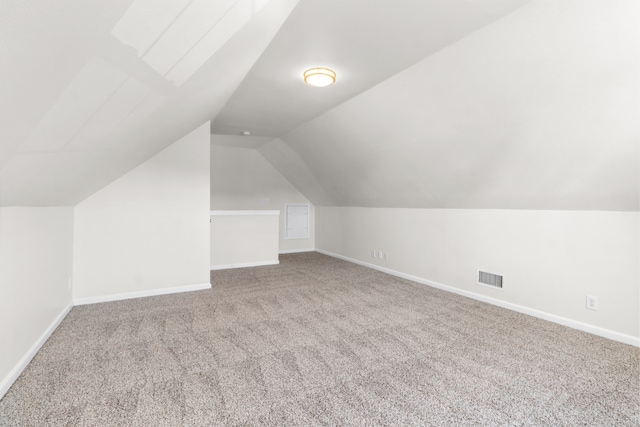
column 318, row 341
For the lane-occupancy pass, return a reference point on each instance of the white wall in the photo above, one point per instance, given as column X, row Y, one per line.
column 148, row 230
column 550, row 259
column 242, row 179
column 36, row 253
column 244, row 238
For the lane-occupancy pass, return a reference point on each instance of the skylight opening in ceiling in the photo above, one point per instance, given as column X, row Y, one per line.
column 177, row 37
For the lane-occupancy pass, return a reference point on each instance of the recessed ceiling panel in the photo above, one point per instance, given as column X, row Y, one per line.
column 112, row 113
column 140, row 113
column 145, row 21
column 86, row 94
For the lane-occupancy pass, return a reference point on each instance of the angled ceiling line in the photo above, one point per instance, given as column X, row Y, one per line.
column 164, row 31
column 202, row 37
column 95, row 113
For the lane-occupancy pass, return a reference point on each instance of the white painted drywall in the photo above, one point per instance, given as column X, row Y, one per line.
column 242, row 179
column 550, row 259
column 244, row 238
column 149, row 229
column 76, row 117
column 538, row 110
column 36, row 253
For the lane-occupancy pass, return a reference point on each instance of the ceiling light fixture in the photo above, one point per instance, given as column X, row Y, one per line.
column 319, row 77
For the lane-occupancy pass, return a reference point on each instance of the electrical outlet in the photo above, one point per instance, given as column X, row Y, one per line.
column 373, row 253
column 592, row 302
column 385, row 256
column 380, row 254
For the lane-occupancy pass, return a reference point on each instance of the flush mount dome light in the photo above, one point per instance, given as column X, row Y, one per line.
column 319, row 77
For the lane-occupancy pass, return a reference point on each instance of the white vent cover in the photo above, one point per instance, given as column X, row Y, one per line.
column 489, row 279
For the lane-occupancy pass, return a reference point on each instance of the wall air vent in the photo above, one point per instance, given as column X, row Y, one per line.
column 489, row 279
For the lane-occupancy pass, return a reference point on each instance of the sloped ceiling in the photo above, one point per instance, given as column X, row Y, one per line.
column 536, row 110
column 367, row 41
column 445, row 104
column 91, row 88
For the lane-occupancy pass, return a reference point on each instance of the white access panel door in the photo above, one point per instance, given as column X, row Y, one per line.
column 297, row 221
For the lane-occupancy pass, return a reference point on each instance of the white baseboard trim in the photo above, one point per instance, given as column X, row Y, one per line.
column 296, row 251
column 149, row 293
column 24, row 361
column 12, row 376
column 585, row 327
column 244, row 264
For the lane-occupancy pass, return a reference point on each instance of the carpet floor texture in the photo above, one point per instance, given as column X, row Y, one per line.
column 319, row 341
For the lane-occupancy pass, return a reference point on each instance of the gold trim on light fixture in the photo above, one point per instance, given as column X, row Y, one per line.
column 319, row 77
